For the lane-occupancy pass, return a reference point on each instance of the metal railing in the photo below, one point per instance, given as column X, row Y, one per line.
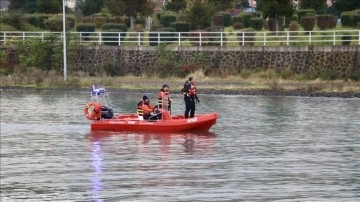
column 235, row 38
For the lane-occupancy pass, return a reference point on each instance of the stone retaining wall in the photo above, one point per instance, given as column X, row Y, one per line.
column 136, row 60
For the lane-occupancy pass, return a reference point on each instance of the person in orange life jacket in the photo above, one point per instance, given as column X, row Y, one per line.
column 190, row 95
column 164, row 100
column 145, row 109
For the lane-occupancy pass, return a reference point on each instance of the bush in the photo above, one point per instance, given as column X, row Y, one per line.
column 237, row 19
column 166, row 20
column 31, row 28
column 116, row 19
column 275, row 24
column 287, row 74
column 227, row 19
column 294, row 18
column 117, row 29
column 153, row 38
column 166, row 63
column 293, row 28
column 140, row 21
column 257, row 23
column 86, row 27
column 164, row 37
column 5, row 68
column 6, row 27
column 249, row 37
column 326, row 22
column 346, row 19
column 127, row 21
column 115, row 26
column 329, row 74
column 112, row 38
column 180, row 26
column 99, row 21
column 14, row 19
column 238, row 25
column 218, row 20
column 168, row 36
column 308, row 23
column 245, row 73
column 87, row 19
column 70, row 22
column 350, row 18
column 194, row 36
column 237, row 22
column 304, row 12
column 346, row 39
column 45, row 54
column 139, row 24
column 355, row 74
column 215, row 38
column 246, row 19
column 32, row 19
column 54, row 24
column 41, row 20
column 114, row 68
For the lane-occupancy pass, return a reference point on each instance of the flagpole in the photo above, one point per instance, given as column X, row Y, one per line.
column 64, row 40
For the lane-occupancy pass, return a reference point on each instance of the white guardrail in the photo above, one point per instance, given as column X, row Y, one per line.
column 235, row 38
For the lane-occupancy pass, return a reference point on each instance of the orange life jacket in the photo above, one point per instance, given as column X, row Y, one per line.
column 192, row 90
column 144, row 109
column 164, row 99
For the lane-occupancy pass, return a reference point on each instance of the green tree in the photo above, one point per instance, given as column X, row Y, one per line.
column 318, row 6
column 199, row 14
column 277, row 10
column 34, row 53
column 347, row 5
column 134, row 7
column 129, row 8
column 222, row 5
column 26, row 6
column 115, row 7
column 50, row 7
column 176, row 5
column 89, row 7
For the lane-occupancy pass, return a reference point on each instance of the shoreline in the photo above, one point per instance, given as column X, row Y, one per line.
column 252, row 92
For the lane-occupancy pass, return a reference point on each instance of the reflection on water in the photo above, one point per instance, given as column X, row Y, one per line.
column 165, row 140
column 261, row 149
column 148, row 152
column 97, row 166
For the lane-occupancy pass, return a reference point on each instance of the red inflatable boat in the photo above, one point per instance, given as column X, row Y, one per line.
column 99, row 111
column 131, row 122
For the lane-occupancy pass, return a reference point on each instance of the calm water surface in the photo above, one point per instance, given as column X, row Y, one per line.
column 261, row 149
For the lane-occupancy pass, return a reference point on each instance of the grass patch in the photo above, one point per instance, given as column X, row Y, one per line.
column 246, row 80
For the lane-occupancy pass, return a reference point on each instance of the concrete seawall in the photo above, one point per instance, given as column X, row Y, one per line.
column 299, row 59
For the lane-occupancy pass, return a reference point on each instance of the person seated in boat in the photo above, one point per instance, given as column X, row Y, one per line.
column 146, row 110
column 164, row 100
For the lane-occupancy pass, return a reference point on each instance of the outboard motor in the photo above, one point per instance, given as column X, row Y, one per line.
column 106, row 112
column 102, row 96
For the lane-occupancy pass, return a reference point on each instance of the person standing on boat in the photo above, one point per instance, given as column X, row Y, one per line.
column 164, row 100
column 190, row 95
column 145, row 109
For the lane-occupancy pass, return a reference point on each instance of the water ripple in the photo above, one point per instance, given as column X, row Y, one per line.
column 261, row 149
